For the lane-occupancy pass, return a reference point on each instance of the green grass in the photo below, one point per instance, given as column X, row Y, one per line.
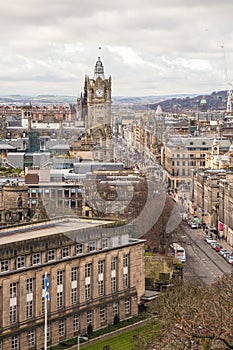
column 122, row 341
column 148, row 254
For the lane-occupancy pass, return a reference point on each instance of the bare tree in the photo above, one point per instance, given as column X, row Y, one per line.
column 190, row 317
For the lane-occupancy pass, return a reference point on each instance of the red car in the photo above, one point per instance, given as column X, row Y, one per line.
column 218, row 248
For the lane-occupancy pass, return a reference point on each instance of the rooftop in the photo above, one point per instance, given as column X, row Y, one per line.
column 66, row 226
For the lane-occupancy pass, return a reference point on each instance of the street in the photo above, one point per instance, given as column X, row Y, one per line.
column 203, row 265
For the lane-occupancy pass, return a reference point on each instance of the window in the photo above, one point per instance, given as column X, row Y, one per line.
column 13, row 314
column 127, row 306
column 60, row 277
column 36, row 258
column 15, row 342
column 113, row 284
column 88, row 280
column 5, row 265
column 101, row 288
column 59, row 193
column 51, row 254
column 74, row 274
column 74, row 289
column 126, row 260
column 76, row 320
column 79, row 248
column 105, row 243
column 89, row 317
column 92, row 246
column 102, row 314
column 115, row 309
column 88, row 291
column 13, row 290
column 59, row 299
column 13, row 303
column 61, row 328
column 48, row 333
column 29, row 285
column 125, row 280
column 29, row 309
column 65, row 252
column 113, row 263
column 101, row 266
column 31, row 338
column 88, row 270
column 74, row 296
column 20, row 262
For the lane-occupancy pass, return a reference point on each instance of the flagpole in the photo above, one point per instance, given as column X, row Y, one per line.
column 45, row 316
column 45, row 324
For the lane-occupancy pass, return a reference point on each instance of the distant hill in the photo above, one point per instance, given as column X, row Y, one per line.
column 215, row 101
column 55, row 99
column 145, row 100
column 169, row 103
column 37, row 100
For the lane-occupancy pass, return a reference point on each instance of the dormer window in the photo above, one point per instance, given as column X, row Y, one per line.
column 92, row 246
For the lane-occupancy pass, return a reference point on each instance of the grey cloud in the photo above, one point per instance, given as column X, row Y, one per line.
column 148, row 47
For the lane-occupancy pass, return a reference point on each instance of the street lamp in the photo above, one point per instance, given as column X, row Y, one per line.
column 78, row 341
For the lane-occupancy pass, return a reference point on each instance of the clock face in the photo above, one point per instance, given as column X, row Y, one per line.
column 99, row 92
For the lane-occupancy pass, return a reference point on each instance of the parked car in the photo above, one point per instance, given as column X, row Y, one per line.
column 230, row 259
column 213, row 243
column 193, row 225
column 218, row 247
column 223, row 251
column 225, row 255
column 209, row 239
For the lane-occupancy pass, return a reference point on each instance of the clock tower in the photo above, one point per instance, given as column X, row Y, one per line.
column 98, row 99
column 97, row 107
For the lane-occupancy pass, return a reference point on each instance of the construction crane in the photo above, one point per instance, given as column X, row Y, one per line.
column 229, row 85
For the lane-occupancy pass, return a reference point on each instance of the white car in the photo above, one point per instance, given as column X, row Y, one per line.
column 223, row 251
column 209, row 239
column 213, row 243
column 230, row 259
column 225, row 255
column 193, row 225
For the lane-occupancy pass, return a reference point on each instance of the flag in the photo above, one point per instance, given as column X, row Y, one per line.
column 46, row 283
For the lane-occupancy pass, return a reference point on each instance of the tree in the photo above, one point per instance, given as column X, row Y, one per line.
column 193, row 317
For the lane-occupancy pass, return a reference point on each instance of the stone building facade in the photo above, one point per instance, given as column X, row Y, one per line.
column 182, row 154
column 13, row 203
column 95, row 271
column 212, row 194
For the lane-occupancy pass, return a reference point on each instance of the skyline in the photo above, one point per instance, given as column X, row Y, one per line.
column 148, row 48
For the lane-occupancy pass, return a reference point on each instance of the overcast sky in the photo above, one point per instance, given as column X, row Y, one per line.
column 149, row 47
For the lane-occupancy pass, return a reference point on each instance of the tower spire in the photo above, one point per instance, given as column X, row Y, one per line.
column 99, row 69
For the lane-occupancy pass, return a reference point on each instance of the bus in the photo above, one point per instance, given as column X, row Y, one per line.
column 179, row 252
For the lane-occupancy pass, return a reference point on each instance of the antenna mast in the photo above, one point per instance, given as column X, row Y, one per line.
column 229, row 90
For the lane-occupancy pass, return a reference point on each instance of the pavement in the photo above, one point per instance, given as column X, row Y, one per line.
column 221, row 242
